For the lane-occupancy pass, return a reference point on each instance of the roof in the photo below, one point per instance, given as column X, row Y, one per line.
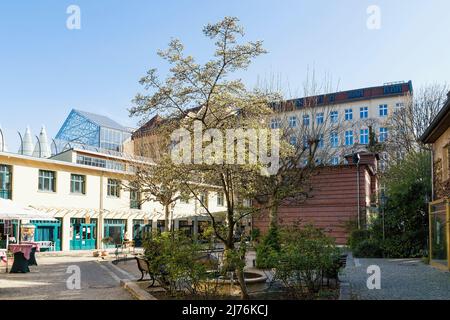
column 101, row 121
column 386, row 90
column 439, row 125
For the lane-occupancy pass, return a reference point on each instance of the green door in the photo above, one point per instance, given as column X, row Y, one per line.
column 48, row 231
column 115, row 230
column 83, row 236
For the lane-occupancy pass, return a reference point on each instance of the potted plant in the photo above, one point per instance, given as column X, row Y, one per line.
column 106, row 241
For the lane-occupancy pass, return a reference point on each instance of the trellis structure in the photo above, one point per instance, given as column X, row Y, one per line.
column 440, row 233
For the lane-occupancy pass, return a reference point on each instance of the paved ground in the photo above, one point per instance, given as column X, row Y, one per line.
column 99, row 281
column 401, row 279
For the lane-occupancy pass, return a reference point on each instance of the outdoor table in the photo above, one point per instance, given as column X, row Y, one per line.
column 36, row 248
column 3, row 256
column 22, row 255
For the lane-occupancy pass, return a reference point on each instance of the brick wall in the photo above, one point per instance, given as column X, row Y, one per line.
column 332, row 203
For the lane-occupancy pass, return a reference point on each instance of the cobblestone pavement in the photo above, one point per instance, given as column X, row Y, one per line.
column 99, row 281
column 401, row 279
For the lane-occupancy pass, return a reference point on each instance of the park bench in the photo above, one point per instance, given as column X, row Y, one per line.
column 49, row 245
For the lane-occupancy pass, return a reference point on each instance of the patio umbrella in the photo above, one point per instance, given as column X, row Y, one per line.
column 10, row 210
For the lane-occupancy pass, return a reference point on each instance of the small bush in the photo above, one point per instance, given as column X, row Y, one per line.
column 368, row 248
column 267, row 251
column 356, row 237
column 306, row 256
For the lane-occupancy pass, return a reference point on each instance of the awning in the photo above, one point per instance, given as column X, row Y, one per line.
column 59, row 212
column 10, row 210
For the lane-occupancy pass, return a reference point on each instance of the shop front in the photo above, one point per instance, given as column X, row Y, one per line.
column 48, row 231
column 141, row 230
column 114, row 230
column 83, row 234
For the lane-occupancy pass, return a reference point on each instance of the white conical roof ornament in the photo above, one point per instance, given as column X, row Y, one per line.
column 45, row 151
column 27, row 147
column 3, row 147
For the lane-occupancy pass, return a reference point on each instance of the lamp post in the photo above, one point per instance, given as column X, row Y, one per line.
column 356, row 159
column 383, row 205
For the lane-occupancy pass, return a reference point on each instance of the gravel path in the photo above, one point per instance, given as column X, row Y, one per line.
column 401, row 279
column 48, row 281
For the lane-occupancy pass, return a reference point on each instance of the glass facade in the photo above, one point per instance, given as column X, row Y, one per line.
column 101, row 163
column 93, row 130
column 111, row 139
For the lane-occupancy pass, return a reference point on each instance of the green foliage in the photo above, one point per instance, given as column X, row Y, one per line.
column 178, row 262
column 368, row 248
column 356, row 237
column 267, row 251
column 406, row 213
column 408, row 187
column 306, row 255
column 256, row 234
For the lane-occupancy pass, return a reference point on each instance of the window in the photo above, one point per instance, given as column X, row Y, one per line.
column 247, row 203
column 364, row 112
column 320, row 143
column 47, row 181
column 334, row 116
column 399, row 107
column 113, row 188
column 383, row 134
column 364, row 136
column 220, row 199
column 349, row 138
column 275, row 123
column 293, row 140
column 319, row 118
column 334, row 140
column 292, row 122
column 77, row 184
column 305, row 142
column 335, row 161
column 5, row 182
column 348, row 114
column 204, row 199
column 383, row 110
column 135, row 199
column 306, row 120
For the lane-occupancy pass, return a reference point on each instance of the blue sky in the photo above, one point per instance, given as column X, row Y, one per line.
column 46, row 69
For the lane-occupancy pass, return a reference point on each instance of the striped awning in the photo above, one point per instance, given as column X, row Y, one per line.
column 59, row 212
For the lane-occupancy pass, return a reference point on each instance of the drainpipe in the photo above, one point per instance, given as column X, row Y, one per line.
column 358, row 195
column 432, row 175
column 100, row 216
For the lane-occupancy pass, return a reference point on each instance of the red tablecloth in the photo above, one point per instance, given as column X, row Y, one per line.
column 3, row 256
column 24, row 248
column 34, row 244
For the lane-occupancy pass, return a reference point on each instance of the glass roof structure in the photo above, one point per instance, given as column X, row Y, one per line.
column 85, row 128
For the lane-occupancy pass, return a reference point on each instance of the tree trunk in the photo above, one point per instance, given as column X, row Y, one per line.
column 167, row 216
column 230, row 265
column 273, row 213
column 243, row 285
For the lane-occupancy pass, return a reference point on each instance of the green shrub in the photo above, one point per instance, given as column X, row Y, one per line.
column 178, row 262
column 267, row 251
column 356, row 237
column 306, row 255
column 368, row 248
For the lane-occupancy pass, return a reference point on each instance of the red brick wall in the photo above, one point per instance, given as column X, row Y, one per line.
column 331, row 204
